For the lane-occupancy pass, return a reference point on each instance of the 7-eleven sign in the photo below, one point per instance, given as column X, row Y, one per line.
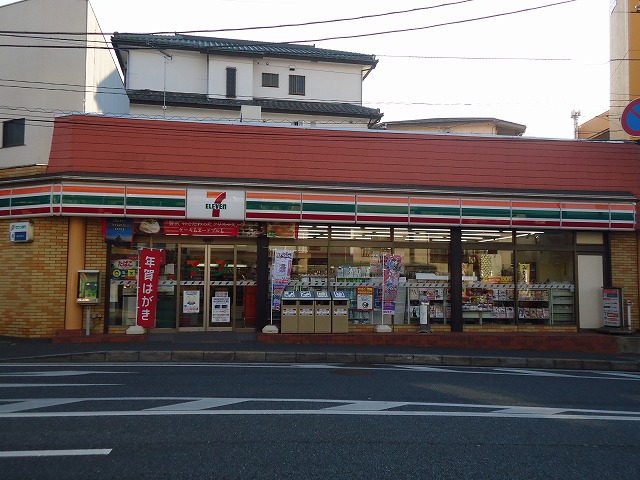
column 204, row 204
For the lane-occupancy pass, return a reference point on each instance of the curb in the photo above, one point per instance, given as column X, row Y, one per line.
column 197, row 356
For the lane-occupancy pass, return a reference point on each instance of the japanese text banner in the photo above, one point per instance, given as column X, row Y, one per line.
column 148, row 272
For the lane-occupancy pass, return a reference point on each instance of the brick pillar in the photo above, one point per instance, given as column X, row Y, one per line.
column 75, row 261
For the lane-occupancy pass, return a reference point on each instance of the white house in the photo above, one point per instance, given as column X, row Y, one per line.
column 191, row 77
column 57, row 62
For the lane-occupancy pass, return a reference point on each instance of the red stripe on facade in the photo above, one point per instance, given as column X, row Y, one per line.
column 381, row 218
column 93, row 210
column 272, row 216
column 156, row 213
column 319, row 217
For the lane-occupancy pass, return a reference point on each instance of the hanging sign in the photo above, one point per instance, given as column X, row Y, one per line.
column 282, row 261
column 391, row 279
column 612, row 306
column 148, row 272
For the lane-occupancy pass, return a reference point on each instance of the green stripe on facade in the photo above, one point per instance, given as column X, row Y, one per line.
column 91, row 200
column 30, row 201
column 486, row 212
column 521, row 213
column 591, row 215
column 329, row 207
column 156, row 202
column 5, row 202
column 383, row 209
column 435, row 211
column 273, row 206
column 623, row 216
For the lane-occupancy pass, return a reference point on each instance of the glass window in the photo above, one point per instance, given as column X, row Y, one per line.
column 401, row 234
column 538, row 237
column 296, row 85
column 427, row 281
column 123, row 287
column 488, row 294
column 487, row 236
column 358, row 272
column 270, row 80
column 361, row 233
column 231, row 82
column 13, row 133
column 545, row 288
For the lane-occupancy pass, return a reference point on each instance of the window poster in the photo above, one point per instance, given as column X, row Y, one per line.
column 220, row 309
column 364, row 299
column 191, row 301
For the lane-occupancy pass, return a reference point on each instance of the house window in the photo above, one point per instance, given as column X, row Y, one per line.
column 296, row 84
column 270, row 80
column 231, row 82
column 13, row 133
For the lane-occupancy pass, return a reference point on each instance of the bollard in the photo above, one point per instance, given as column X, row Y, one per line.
column 424, row 317
column 629, row 303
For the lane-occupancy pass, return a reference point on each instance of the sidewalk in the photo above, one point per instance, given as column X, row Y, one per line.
column 241, row 347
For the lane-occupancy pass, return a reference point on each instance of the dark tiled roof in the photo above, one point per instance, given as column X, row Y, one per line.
column 203, row 101
column 239, row 47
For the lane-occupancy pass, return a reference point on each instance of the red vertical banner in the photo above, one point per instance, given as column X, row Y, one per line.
column 148, row 272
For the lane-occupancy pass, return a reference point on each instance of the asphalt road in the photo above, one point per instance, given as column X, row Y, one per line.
column 316, row 421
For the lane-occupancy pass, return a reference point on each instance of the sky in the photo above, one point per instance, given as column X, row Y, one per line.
column 530, row 67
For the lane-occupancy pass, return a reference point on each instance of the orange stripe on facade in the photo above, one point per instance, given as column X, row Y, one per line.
column 274, row 196
column 394, row 200
column 554, row 205
column 625, row 207
column 156, row 191
column 434, row 201
column 27, row 190
column 91, row 189
column 585, row 206
column 5, row 193
column 312, row 197
column 486, row 203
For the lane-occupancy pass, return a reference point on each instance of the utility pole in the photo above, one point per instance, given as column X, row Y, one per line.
column 575, row 114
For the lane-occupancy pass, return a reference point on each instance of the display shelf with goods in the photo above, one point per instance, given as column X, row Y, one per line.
column 562, row 299
column 350, row 279
column 438, row 298
column 533, row 305
column 503, row 303
column 477, row 304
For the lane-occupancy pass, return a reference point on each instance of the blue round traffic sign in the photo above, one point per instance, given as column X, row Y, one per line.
column 631, row 118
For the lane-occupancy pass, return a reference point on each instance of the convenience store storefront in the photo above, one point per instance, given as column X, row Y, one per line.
column 482, row 264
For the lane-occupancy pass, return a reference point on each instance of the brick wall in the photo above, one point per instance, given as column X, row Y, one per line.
column 624, row 268
column 96, row 259
column 33, row 283
column 22, row 171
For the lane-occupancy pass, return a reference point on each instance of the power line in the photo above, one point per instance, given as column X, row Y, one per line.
column 455, row 22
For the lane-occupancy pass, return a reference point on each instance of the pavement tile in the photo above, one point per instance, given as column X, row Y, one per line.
column 280, row 357
column 88, row 357
column 250, row 357
column 218, row 356
column 154, row 356
column 420, row 359
column 512, row 362
column 398, row 359
column 485, row 361
column 122, row 356
column 187, row 356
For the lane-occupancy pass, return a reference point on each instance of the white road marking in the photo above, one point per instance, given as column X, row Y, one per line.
column 366, row 406
column 54, row 453
column 58, row 373
column 25, row 385
column 33, row 404
column 211, row 406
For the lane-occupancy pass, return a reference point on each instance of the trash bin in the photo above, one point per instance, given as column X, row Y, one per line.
column 323, row 312
column 339, row 312
column 289, row 312
column 306, row 312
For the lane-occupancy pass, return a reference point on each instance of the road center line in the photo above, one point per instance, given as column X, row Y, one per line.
column 55, row 453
